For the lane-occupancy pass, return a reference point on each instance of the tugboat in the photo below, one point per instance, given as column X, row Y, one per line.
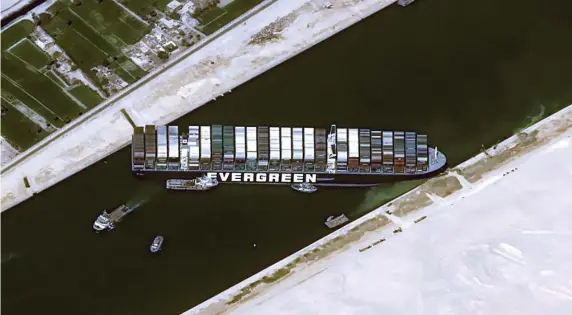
column 103, row 222
column 304, row 188
column 156, row 245
column 199, row 183
column 107, row 221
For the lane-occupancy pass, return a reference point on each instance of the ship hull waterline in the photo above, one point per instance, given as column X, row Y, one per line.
column 322, row 180
column 318, row 179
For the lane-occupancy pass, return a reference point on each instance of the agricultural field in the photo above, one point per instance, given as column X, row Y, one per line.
column 216, row 17
column 60, row 63
column 93, row 34
column 83, row 93
column 210, row 15
column 144, row 7
column 210, row 20
column 37, row 98
column 29, row 53
column 22, row 132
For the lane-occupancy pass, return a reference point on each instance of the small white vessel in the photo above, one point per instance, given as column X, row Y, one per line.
column 156, row 245
column 304, row 188
column 103, row 222
column 199, row 183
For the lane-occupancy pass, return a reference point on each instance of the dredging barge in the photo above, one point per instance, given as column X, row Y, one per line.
column 343, row 157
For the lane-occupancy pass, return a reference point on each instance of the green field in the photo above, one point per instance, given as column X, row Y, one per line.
column 142, row 7
column 127, row 70
column 16, row 32
column 18, row 130
column 74, row 41
column 30, row 54
column 67, row 21
column 40, row 87
column 55, row 78
column 233, row 10
column 145, row 7
column 210, row 15
column 112, row 22
column 91, row 33
column 10, row 90
column 86, row 47
column 87, row 96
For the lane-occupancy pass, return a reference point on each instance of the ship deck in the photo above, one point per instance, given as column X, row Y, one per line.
column 347, row 156
column 118, row 213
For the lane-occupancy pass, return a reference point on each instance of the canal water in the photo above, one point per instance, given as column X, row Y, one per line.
column 467, row 73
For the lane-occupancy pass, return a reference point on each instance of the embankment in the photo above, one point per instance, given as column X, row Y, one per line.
column 438, row 237
column 271, row 36
column 10, row 7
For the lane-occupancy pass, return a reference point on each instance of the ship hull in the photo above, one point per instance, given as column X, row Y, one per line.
column 283, row 178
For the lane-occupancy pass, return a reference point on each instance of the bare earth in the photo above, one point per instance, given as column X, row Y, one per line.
column 212, row 71
column 491, row 236
column 8, row 152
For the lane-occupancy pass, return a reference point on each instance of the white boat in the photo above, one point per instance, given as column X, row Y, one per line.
column 103, row 222
column 107, row 221
column 305, row 188
column 156, row 245
column 199, row 183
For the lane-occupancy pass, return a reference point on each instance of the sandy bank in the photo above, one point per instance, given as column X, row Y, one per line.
column 492, row 236
column 11, row 6
column 8, row 152
column 215, row 69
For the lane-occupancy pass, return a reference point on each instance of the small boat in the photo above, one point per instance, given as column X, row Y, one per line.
column 156, row 245
column 199, row 183
column 304, row 188
column 103, row 222
column 333, row 222
column 107, row 220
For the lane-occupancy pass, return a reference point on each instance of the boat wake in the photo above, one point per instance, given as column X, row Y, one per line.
column 135, row 204
column 381, row 194
column 142, row 197
column 9, row 257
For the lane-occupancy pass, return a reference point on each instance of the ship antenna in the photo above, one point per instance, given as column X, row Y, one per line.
column 436, row 151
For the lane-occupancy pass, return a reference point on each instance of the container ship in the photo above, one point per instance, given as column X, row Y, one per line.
column 342, row 157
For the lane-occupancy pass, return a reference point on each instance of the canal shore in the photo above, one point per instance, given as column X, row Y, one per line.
column 504, row 210
column 271, row 36
column 8, row 151
column 11, row 6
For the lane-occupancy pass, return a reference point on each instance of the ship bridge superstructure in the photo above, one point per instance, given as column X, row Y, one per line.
column 339, row 150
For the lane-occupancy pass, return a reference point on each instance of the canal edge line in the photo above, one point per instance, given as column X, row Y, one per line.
column 394, row 215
